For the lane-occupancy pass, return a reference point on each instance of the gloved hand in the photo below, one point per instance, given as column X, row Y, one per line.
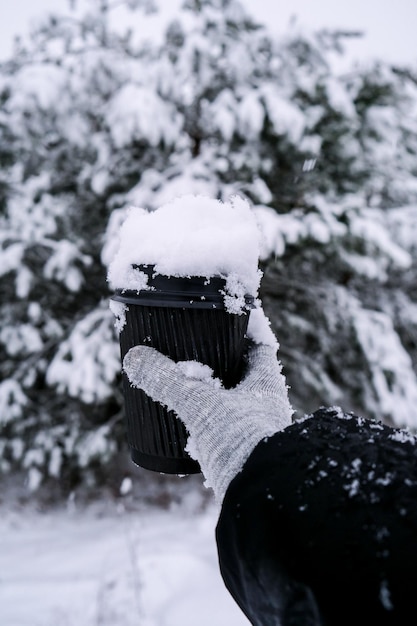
column 224, row 424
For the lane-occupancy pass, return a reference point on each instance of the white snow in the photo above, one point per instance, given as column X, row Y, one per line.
column 21, row 338
column 61, row 264
column 285, row 116
column 119, row 311
column 385, row 596
column 393, row 377
column 259, row 329
column 154, row 119
column 39, row 82
column 192, row 235
column 11, row 258
column 112, row 567
column 369, row 226
column 251, row 115
column 339, row 97
column 88, row 359
column 12, row 401
column 223, row 113
column 403, row 435
column 353, row 487
column 198, row 371
column 403, row 221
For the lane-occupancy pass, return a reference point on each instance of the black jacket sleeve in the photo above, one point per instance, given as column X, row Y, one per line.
column 320, row 526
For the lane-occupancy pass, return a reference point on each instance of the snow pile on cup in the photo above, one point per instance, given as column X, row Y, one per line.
column 191, row 236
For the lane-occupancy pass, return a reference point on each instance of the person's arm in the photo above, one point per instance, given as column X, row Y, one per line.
column 319, row 517
column 224, row 425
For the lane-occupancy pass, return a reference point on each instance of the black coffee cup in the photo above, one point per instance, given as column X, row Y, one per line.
column 185, row 319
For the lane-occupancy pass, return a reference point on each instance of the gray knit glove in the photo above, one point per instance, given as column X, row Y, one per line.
column 224, row 425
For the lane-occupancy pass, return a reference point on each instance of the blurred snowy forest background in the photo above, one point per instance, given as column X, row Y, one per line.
column 95, row 116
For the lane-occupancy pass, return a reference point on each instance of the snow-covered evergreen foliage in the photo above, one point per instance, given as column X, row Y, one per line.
column 95, row 117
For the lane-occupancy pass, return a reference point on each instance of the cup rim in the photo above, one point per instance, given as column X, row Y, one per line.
column 179, row 291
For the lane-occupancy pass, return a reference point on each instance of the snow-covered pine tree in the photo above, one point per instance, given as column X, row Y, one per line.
column 96, row 116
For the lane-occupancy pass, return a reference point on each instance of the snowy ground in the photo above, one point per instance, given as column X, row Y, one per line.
column 104, row 565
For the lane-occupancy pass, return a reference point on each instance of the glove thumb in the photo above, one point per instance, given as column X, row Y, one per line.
column 162, row 379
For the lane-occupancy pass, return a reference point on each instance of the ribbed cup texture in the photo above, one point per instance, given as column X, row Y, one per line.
column 157, row 437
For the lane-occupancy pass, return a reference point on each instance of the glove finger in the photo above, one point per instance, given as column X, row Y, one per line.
column 164, row 380
column 264, row 371
column 266, row 381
